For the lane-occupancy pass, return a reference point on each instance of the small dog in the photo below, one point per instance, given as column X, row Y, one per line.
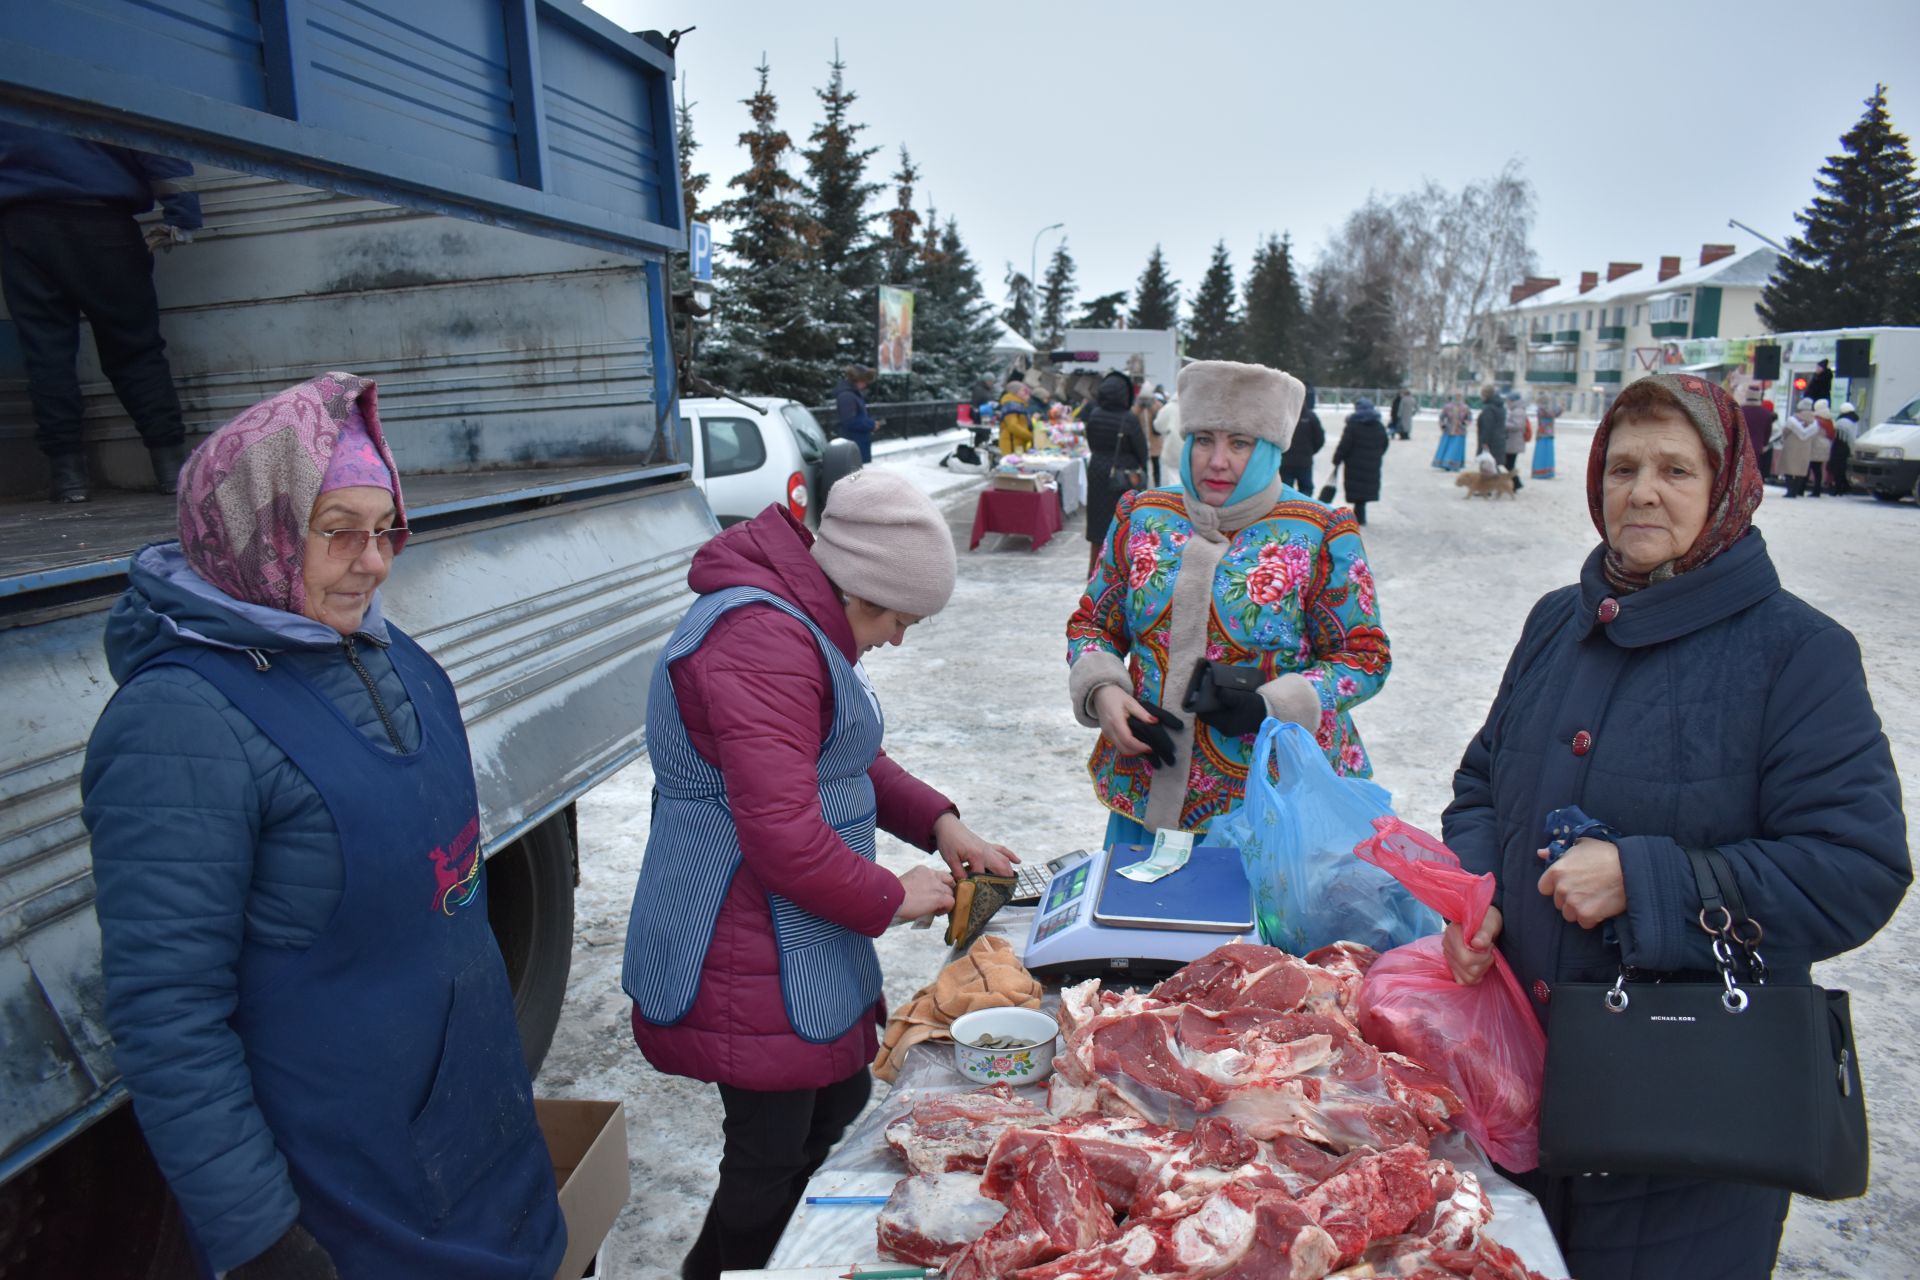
column 1478, row 485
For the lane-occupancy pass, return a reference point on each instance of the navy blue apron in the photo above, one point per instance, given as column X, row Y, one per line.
column 829, row 975
column 385, row 1057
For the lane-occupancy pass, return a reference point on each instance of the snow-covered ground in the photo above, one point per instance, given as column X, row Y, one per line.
column 975, row 703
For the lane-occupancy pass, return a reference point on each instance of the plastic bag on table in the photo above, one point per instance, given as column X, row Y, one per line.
column 1296, row 839
column 1483, row 1039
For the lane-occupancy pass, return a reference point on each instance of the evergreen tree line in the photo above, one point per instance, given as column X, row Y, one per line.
column 797, row 283
column 1384, row 304
column 1857, row 259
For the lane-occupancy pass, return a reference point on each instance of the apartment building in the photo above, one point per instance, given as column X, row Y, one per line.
column 1578, row 342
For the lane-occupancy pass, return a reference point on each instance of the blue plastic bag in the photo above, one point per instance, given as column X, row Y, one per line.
column 1296, row 839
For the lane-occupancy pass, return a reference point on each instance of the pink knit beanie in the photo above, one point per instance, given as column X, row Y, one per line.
column 883, row 540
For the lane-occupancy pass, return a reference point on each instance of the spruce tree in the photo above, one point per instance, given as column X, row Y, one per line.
column 1214, row 330
column 903, row 245
column 1367, row 354
column 1020, row 303
column 1056, row 295
column 1859, row 253
column 766, row 337
column 1107, row 311
column 953, row 323
column 1321, row 328
column 1156, row 299
column 1274, row 315
column 692, row 187
column 845, row 250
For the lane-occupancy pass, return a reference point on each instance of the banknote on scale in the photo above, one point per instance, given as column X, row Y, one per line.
column 1171, row 849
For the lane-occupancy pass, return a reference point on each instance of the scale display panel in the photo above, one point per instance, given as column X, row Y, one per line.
column 1093, row 921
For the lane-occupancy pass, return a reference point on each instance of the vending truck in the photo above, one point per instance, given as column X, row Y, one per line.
column 472, row 202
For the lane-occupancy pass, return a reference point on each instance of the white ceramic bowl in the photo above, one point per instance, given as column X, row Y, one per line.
column 1014, row 1066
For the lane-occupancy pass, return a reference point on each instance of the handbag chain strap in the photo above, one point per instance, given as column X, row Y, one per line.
column 1724, row 918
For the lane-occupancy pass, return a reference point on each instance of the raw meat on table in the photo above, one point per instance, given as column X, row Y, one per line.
column 1055, row 1207
column 933, row 1216
column 955, row 1131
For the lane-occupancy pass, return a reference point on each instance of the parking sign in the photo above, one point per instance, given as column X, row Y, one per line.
column 700, row 250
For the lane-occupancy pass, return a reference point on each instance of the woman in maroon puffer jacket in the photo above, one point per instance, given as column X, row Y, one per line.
column 749, row 951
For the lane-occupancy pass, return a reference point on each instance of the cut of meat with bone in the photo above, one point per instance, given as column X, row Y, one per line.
column 933, row 1216
column 1065, row 1198
column 1016, row 1241
column 954, row 1131
column 1460, row 1208
column 1121, row 1152
column 1372, row 1194
column 1055, row 1207
column 1237, row 1233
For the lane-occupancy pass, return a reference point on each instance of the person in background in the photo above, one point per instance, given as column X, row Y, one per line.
column 1519, row 431
column 1543, row 443
column 1362, row 451
column 1682, row 696
column 1016, row 428
column 1823, row 476
column 1296, row 464
column 1846, row 429
column 1146, row 406
column 853, row 422
column 749, row 953
column 1451, row 453
column 1759, row 417
column 1490, row 427
column 1797, row 438
column 1820, row 385
column 1116, row 445
column 1405, row 407
column 69, row 247
column 308, row 1007
column 1230, row 569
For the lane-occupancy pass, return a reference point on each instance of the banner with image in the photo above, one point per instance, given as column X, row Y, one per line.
column 896, row 331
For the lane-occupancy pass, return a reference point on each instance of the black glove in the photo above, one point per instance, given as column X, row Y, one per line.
column 1228, row 698
column 294, row 1256
column 1158, row 737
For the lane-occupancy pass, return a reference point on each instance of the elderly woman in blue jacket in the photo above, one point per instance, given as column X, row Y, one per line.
column 307, row 1005
column 1632, row 694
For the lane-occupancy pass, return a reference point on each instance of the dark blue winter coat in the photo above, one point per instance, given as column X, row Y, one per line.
column 206, row 836
column 41, row 166
column 1716, row 709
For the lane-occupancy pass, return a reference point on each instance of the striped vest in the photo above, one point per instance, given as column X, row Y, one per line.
column 829, row 976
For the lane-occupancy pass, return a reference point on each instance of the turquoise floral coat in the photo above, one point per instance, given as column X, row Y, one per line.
column 1293, row 592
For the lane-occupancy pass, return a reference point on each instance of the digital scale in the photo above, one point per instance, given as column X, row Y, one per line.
column 1093, row 922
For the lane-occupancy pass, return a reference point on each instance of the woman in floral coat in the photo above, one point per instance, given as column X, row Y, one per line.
column 1226, row 571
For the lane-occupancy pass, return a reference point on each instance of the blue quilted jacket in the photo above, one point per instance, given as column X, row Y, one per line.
column 205, row 836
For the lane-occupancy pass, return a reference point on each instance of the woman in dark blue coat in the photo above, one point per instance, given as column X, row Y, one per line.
column 1680, row 696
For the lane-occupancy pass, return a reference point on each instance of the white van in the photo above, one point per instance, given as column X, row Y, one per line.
column 1886, row 460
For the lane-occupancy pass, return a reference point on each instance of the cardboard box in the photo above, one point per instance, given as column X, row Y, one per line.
column 587, row 1142
column 1022, row 484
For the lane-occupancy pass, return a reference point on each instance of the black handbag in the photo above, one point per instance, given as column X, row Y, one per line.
column 1125, row 479
column 1719, row 1080
column 1327, row 489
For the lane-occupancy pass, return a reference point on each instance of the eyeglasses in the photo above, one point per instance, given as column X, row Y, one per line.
column 347, row 544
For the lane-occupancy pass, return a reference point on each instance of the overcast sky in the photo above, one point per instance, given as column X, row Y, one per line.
column 1644, row 126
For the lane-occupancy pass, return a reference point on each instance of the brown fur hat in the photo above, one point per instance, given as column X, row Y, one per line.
column 1245, row 399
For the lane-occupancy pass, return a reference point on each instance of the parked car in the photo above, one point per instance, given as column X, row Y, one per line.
column 757, row 450
column 1886, row 460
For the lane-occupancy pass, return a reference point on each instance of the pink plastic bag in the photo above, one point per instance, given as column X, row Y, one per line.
column 1484, row 1038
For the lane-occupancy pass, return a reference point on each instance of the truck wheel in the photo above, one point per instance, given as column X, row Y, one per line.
column 530, row 906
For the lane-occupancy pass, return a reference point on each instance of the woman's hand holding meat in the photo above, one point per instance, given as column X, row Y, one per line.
column 1585, row 884
column 1470, row 960
column 967, row 852
column 929, row 892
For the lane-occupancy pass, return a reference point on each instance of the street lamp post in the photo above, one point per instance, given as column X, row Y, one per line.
column 1033, row 269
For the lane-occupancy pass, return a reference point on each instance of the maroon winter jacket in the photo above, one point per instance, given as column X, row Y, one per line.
column 757, row 703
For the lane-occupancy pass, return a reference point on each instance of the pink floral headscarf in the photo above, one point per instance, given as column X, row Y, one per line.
column 247, row 491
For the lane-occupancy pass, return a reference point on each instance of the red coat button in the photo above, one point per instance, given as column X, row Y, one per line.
column 1582, row 743
column 1541, row 991
column 1609, row 609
